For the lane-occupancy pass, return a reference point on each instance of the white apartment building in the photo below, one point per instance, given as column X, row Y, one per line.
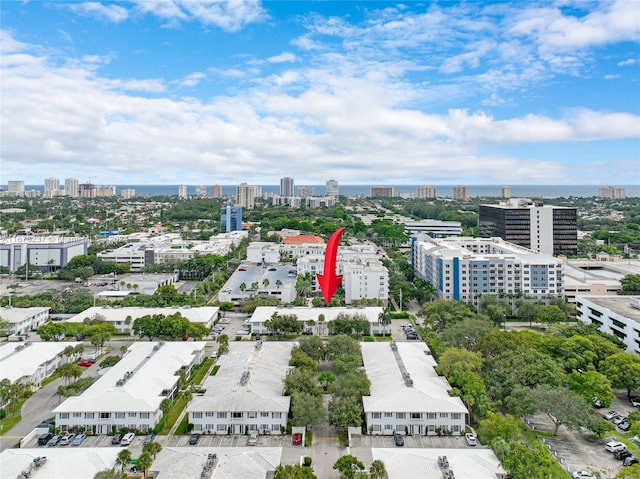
column 460, row 193
column 128, row 395
column 246, row 394
column 287, row 187
column 407, row 395
column 15, row 188
column 23, row 320
column 617, row 315
column 424, row 192
column 331, row 188
column 128, row 193
column 133, row 254
column 316, row 320
column 182, row 191
column 72, row 187
column 30, row 362
column 434, row 228
column 463, row 268
column 320, row 201
column 611, row 192
column 505, row 192
column 51, row 187
column 123, row 318
column 246, row 195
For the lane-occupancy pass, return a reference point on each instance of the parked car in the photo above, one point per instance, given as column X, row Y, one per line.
column 583, row 475
column 620, row 455
column 127, row 438
column 398, row 439
column 149, row 438
column 471, row 439
column 618, row 419
column 613, row 446
column 629, row 461
column 609, row 415
column 624, row 426
column 85, row 364
column 296, row 439
column 193, row 439
column 44, row 438
column 78, row 439
column 66, row 440
column 53, row 442
column 597, row 403
column 253, row 439
column 116, row 439
column 635, row 401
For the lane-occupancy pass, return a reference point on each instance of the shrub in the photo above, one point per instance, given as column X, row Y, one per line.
column 3, row 413
column 307, row 461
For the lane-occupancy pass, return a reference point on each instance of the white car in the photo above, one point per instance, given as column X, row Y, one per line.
column 253, row 439
column 583, row 475
column 609, row 415
column 613, row 446
column 471, row 439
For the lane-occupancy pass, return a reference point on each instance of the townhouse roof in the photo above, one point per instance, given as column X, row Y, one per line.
column 263, row 313
column 201, row 315
column 18, row 360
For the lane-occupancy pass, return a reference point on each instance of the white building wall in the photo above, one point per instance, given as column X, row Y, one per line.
column 542, row 229
column 621, row 325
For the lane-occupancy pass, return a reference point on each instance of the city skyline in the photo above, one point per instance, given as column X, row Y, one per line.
column 366, row 92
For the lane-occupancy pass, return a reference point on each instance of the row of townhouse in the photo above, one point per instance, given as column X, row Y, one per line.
column 31, row 362
column 464, row 268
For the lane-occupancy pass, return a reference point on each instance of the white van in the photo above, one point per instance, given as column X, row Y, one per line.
column 127, row 438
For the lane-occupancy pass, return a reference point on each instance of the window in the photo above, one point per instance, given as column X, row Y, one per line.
column 252, row 415
column 132, row 414
column 444, row 414
column 376, row 427
column 431, row 415
column 64, row 415
column 236, row 415
column 77, row 414
column 388, row 427
column 456, row 415
column 144, row 415
column 88, row 415
column 197, row 415
column 276, row 415
column 264, row 414
column 221, row 415
column 388, row 414
column 209, row 414
column 375, row 415
column 221, row 427
column 416, row 415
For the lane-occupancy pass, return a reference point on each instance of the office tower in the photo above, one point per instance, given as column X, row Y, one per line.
column 611, row 192
column 544, row 229
column 51, row 187
column 246, row 195
column 460, row 193
column 331, row 188
column 305, row 191
column 15, row 188
column 128, row 193
column 182, row 191
column 426, row 192
column 230, row 218
column 505, row 192
column 71, row 187
column 215, row 191
column 382, row 191
column 286, row 186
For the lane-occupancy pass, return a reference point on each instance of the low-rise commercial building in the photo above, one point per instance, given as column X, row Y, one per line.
column 407, row 395
column 123, row 318
column 45, row 252
column 617, row 315
column 246, row 394
column 129, row 394
column 31, row 362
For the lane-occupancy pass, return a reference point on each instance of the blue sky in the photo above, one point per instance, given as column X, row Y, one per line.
column 223, row 92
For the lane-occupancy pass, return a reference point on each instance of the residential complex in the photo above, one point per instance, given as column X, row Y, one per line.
column 464, row 268
column 31, row 362
column 72, row 187
column 611, row 192
column 246, row 394
column 246, row 195
column 541, row 228
column 331, row 188
column 182, row 191
column 382, row 191
column 128, row 395
column 617, row 315
column 23, row 320
column 215, row 191
column 505, row 192
column 460, row 193
column 407, row 395
column 15, row 188
column 287, row 186
column 424, row 192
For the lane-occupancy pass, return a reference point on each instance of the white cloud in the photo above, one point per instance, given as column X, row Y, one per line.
column 111, row 12
column 628, row 62
column 282, row 58
column 611, row 77
column 192, row 79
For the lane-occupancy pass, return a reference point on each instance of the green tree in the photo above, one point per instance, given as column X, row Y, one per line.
column 144, row 463
column 123, row 459
column 442, row 313
column 344, row 412
column 306, row 409
column 289, row 471
column 313, row 346
column 630, row 284
column 148, row 326
column 623, row 370
column 341, row 345
column 326, row 379
column 465, row 334
column 152, row 448
column 526, row 311
column 384, row 318
column 69, row 371
column 496, row 425
column 590, row 384
column 455, row 360
column 632, row 472
column 561, row 406
column 348, row 466
column 52, row 331
column 300, row 359
column 301, row 380
column 377, row 470
column 550, row 314
column 223, row 344
column 354, row 384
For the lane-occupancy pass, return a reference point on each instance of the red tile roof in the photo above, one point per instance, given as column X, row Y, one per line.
column 303, row 239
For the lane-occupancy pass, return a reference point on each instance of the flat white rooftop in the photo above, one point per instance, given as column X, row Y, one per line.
column 267, row 366
column 195, row 315
column 263, row 313
column 17, row 315
column 153, row 371
column 233, row 462
column 388, row 389
column 18, row 360
column 466, row 463
column 620, row 305
column 62, row 463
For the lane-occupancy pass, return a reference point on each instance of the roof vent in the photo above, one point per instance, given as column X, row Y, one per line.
column 245, row 378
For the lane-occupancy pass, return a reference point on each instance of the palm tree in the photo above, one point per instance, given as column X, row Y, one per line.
column 124, row 458
column 321, row 321
column 243, row 287
column 152, row 448
column 278, row 283
column 144, row 463
column 377, row 470
column 384, row 318
column 266, row 283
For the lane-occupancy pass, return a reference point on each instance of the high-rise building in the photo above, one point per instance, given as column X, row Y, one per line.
column 460, row 193
column 71, row 187
column 305, row 191
column 215, row 191
column 182, row 191
column 87, row 190
column 105, row 191
column 15, row 188
column 201, row 190
column 611, row 192
column 331, row 188
column 230, row 218
column 128, row 193
column 246, row 195
column 51, row 187
column 544, row 229
column 426, row 192
column 286, row 186
column 505, row 192
column 382, row 191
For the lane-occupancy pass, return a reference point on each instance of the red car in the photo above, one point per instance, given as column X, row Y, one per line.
column 296, row 440
column 85, row 363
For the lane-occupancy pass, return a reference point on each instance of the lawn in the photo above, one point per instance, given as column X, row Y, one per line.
column 173, row 414
column 12, row 418
column 200, row 372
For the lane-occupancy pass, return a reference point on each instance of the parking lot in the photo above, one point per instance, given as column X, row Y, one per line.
column 445, row 442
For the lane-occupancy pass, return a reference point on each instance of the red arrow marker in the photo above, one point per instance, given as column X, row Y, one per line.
column 329, row 281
